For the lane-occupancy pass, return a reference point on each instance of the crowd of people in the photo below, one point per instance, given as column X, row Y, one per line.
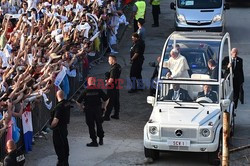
column 42, row 43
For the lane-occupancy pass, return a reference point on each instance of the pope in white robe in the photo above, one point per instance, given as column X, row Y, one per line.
column 177, row 64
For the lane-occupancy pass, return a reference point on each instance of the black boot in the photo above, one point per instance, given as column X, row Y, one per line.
column 93, row 144
column 106, row 118
column 115, row 116
column 100, row 141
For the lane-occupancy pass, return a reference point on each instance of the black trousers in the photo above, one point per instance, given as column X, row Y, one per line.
column 114, row 102
column 155, row 13
column 135, row 74
column 135, row 25
column 94, row 117
column 152, row 85
column 61, row 145
column 236, row 87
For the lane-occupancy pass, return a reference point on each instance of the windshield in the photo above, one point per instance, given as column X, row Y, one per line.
column 193, row 60
column 199, row 4
column 201, row 93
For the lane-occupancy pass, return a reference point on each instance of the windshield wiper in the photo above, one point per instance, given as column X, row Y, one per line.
column 200, row 104
column 177, row 103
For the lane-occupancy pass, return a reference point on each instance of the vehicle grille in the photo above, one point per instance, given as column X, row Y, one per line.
column 177, row 148
column 186, row 133
column 196, row 23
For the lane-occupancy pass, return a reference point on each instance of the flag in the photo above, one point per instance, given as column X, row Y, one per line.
column 60, row 76
column 45, row 99
column 27, row 128
column 15, row 130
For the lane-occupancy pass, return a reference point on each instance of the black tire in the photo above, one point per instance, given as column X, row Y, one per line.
column 151, row 153
column 213, row 157
column 177, row 28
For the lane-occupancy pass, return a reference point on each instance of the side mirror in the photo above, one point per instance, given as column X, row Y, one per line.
column 151, row 100
column 172, row 5
column 225, row 102
column 226, row 6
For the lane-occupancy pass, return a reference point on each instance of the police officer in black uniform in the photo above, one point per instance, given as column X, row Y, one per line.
column 93, row 97
column 136, row 59
column 60, row 117
column 113, row 89
column 15, row 157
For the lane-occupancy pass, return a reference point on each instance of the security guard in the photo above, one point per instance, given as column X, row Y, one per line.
column 113, row 89
column 139, row 10
column 60, row 117
column 155, row 11
column 14, row 157
column 93, row 98
column 136, row 59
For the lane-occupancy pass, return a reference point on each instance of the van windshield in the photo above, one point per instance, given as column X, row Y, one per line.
column 197, row 55
column 199, row 4
column 198, row 93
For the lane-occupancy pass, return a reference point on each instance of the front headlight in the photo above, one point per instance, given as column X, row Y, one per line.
column 205, row 132
column 181, row 18
column 153, row 130
column 217, row 18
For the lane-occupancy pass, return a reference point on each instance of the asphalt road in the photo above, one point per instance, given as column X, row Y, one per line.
column 123, row 142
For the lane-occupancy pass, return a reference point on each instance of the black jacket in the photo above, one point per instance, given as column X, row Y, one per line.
column 184, row 96
column 138, row 47
column 214, row 73
column 14, row 158
column 237, row 70
column 212, row 95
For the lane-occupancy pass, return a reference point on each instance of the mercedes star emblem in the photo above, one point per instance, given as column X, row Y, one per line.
column 178, row 133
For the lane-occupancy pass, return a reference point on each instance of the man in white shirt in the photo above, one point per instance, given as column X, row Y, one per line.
column 177, row 64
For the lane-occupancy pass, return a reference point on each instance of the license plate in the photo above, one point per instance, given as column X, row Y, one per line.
column 179, row 142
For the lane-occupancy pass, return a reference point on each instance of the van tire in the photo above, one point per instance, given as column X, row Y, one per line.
column 213, row 157
column 151, row 153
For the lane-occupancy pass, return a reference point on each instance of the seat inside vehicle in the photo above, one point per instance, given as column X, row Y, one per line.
column 200, row 76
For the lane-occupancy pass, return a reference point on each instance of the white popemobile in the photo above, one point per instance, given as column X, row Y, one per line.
column 191, row 121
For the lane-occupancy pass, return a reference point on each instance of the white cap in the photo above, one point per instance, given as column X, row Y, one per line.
column 68, row 7
column 55, row 6
column 56, row 14
column 68, row 24
column 66, row 28
column 46, row 4
column 56, row 32
column 58, row 38
column 64, row 18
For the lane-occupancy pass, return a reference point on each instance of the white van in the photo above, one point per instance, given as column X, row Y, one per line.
column 191, row 121
column 206, row 15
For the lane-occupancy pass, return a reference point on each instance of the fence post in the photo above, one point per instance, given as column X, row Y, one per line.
column 225, row 151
